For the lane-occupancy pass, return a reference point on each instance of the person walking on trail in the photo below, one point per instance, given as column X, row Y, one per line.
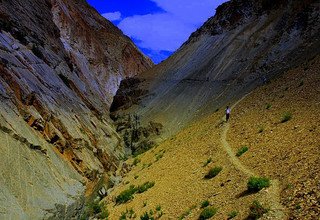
column 228, row 111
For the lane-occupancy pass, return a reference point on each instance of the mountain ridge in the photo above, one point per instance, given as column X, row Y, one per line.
column 212, row 69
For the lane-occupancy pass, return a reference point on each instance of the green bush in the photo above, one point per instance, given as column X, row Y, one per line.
column 286, row 117
column 207, row 213
column 268, row 106
column 127, row 214
column 146, row 216
column 255, row 184
column 213, row 172
column 95, row 208
column 144, row 187
column 136, row 161
column 256, row 210
column 104, row 214
column 232, row 214
column 242, row 150
column 126, row 195
column 205, row 204
column 123, row 216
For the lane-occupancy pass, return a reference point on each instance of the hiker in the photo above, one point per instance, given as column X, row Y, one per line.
column 228, row 110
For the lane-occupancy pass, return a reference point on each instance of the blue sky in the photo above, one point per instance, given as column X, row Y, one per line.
column 157, row 27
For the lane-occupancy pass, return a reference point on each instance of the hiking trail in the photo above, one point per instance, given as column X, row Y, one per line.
column 272, row 192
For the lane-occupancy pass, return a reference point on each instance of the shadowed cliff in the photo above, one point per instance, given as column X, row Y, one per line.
column 60, row 66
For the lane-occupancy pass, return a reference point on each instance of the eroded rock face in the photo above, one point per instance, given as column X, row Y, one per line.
column 243, row 46
column 60, row 65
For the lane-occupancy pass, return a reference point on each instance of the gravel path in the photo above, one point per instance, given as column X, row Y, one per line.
column 273, row 192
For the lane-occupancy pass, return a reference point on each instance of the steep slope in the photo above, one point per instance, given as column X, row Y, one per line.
column 60, row 65
column 286, row 152
column 243, row 45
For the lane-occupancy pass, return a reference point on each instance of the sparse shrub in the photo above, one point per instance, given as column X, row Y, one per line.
column 159, row 156
column 232, row 214
column 126, row 195
column 123, row 216
column 144, row 204
column 255, row 184
column 261, row 129
column 144, row 187
column 207, row 213
column 158, row 208
column 286, row 117
column 128, row 214
column 143, row 146
column 209, row 160
column 136, row 161
column 104, row 214
column 95, row 208
column 213, row 172
column 242, row 150
column 268, row 106
column 289, row 186
column 186, row 213
column 146, row 216
column 144, row 166
column 136, row 177
column 205, row 203
column 256, row 210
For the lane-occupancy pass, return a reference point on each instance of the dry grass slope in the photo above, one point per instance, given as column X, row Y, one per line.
column 288, row 153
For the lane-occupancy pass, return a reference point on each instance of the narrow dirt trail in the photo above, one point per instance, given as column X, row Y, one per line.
column 272, row 192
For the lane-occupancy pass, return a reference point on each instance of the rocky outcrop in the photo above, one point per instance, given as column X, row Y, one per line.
column 128, row 94
column 60, row 65
column 243, row 46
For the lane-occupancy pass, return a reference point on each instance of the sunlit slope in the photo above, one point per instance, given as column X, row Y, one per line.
column 287, row 153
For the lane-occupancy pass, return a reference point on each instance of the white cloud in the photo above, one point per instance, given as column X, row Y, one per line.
column 170, row 29
column 190, row 11
column 112, row 16
column 156, row 31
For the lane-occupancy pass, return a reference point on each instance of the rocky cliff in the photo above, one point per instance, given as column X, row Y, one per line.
column 60, row 65
column 243, row 46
